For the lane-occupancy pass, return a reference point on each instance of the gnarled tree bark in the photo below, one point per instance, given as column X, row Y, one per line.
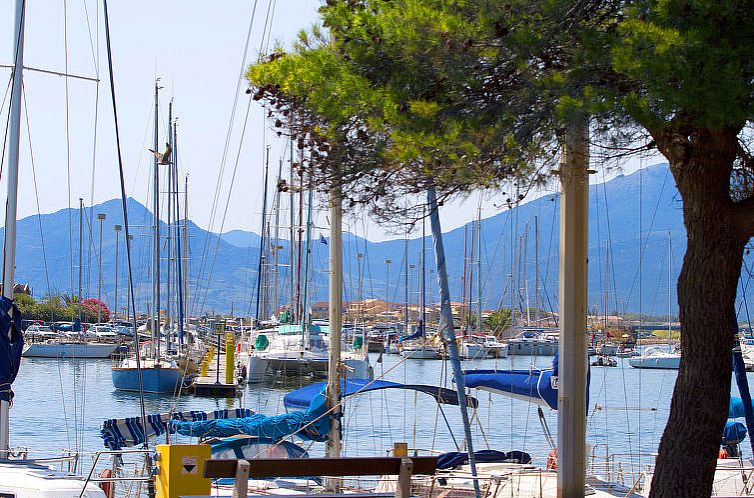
column 701, row 162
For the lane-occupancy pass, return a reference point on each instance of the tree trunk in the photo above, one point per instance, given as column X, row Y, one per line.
column 701, row 164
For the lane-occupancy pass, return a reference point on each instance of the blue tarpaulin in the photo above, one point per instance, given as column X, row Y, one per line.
column 527, row 385
column 11, row 344
column 300, row 398
column 736, row 408
column 310, row 425
column 537, row 386
column 117, row 433
column 733, row 433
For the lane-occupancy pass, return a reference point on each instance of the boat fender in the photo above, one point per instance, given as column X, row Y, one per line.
column 552, row 459
column 108, row 487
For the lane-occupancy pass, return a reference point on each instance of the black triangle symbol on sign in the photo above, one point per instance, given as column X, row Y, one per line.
column 189, row 467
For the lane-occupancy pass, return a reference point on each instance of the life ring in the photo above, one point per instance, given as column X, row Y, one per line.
column 108, row 487
column 552, row 459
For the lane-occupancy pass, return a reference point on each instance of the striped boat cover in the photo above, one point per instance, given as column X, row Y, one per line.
column 124, row 432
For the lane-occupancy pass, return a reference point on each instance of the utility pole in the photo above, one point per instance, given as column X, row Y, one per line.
column 335, row 318
column 574, row 203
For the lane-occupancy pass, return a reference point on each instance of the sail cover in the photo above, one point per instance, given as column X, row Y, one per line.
column 534, row 385
column 538, row 386
column 301, row 398
column 118, row 433
column 311, row 425
column 11, row 344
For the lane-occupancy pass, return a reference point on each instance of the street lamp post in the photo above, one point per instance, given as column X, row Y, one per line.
column 128, row 287
column 101, row 217
column 117, row 229
column 387, row 286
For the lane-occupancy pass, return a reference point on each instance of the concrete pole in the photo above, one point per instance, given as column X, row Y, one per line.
column 573, row 367
column 335, row 319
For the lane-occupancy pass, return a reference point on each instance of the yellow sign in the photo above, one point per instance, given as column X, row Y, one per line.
column 219, row 328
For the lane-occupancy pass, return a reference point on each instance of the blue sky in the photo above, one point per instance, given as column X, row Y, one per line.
column 196, row 49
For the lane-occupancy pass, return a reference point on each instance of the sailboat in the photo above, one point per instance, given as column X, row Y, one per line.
column 76, row 344
column 21, row 478
column 417, row 346
column 658, row 358
column 296, row 349
column 154, row 373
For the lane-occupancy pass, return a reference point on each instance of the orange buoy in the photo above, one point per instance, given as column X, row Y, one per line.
column 552, row 459
column 107, row 486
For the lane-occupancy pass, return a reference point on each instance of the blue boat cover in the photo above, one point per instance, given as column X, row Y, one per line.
column 528, row 385
column 416, row 335
column 733, row 433
column 736, row 408
column 301, row 398
column 11, row 344
column 538, row 386
column 118, row 433
column 309, row 425
column 455, row 458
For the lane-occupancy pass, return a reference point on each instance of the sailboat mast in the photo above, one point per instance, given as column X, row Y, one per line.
column 178, row 259
column 445, row 329
column 536, row 270
column 261, row 232
column 168, row 316
column 291, row 238
column 479, row 267
column 464, row 312
column 276, row 247
column 81, row 250
column 405, row 288
column 307, row 262
column 9, row 256
column 423, row 323
column 156, row 227
column 185, row 249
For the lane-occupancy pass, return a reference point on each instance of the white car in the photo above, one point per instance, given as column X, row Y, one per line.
column 102, row 331
column 41, row 332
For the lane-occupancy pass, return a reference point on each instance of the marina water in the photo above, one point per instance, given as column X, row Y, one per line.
column 627, row 409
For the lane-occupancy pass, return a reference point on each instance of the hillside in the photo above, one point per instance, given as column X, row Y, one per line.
column 223, row 277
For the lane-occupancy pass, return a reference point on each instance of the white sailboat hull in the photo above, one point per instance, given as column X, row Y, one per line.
column 659, row 362
column 35, row 481
column 421, row 353
column 69, row 350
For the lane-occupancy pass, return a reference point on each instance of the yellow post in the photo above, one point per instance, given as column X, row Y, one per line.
column 230, row 349
column 180, row 470
column 400, row 450
column 204, row 367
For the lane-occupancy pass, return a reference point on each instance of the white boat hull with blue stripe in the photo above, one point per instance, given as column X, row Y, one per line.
column 156, row 376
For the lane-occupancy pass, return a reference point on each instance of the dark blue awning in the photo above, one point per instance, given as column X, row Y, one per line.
column 11, row 345
column 300, row 398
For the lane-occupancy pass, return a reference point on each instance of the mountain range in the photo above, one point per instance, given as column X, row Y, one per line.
column 633, row 221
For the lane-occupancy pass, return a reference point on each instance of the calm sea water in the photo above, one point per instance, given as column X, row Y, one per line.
column 61, row 404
